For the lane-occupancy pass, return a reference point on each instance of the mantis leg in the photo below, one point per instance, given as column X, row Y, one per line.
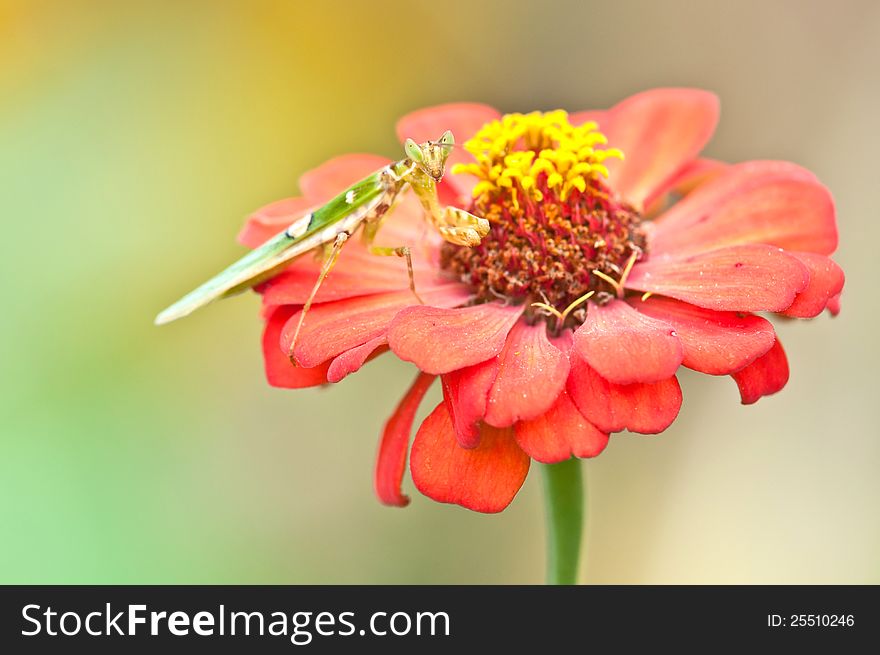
column 462, row 227
column 329, row 260
column 369, row 234
column 402, row 251
column 454, row 225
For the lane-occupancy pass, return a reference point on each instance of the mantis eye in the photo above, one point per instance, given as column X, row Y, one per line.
column 447, row 139
column 413, row 151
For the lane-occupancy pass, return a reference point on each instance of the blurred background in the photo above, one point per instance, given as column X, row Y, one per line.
column 135, row 137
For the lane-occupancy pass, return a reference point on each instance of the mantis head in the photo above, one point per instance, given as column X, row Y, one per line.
column 431, row 156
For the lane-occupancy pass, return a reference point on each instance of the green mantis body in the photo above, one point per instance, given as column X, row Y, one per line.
column 365, row 203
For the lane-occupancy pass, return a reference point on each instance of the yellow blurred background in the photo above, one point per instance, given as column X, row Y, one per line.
column 134, row 138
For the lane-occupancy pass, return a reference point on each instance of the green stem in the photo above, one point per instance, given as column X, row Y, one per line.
column 564, row 495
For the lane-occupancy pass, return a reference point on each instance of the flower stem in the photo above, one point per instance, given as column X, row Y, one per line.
column 564, row 502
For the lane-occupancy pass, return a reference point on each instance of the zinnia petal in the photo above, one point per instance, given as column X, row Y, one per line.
column 748, row 278
column 764, row 376
column 391, row 460
column 464, row 119
column 826, row 282
column 356, row 273
column 560, row 433
column 351, row 360
column 767, row 202
column 531, row 375
column 466, row 394
column 598, row 116
column 334, row 176
column 834, row 305
column 659, row 132
column 484, row 479
column 334, row 327
column 280, row 371
column 688, row 178
column 268, row 221
column 624, row 346
column 439, row 340
column 643, row 407
column 717, row 343
column 293, row 286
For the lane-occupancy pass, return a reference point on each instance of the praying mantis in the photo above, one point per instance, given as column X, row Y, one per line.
column 364, row 204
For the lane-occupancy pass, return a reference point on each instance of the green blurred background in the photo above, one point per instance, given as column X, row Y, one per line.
column 134, row 138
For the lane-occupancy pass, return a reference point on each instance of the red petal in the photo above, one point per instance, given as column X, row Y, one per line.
column 531, row 375
column 441, row 340
column 352, row 360
column 268, row 221
column 765, row 202
column 624, row 346
column 598, row 116
column 643, row 407
column 335, row 175
column 560, row 433
column 391, row 460
column 484, row 479
column 826, row 282
column 834, row 305
column 464, row 119
column 466, row 394
column 659, row 132
column 356, row 273
column 765, row 376
column 717, row 343
column 334, row 327
column 740, row 278
column 280, row 371
column 692, row 175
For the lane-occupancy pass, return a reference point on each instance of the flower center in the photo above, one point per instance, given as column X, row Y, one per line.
column 557, row 232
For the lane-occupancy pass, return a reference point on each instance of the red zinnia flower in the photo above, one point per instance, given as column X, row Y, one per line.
column 569, row 321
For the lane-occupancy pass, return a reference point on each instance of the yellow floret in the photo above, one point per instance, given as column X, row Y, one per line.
column 513, row 151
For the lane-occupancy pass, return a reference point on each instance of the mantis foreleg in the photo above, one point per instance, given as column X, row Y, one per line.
column 454, row 225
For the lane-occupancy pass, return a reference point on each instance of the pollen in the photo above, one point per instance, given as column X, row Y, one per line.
column 559, row 238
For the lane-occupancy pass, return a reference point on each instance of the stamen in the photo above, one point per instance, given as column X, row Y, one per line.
column 561, row 316
column 574, row 304
column 629, row 265
column 618, row 285
column 549, row 308
column 610, row 280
